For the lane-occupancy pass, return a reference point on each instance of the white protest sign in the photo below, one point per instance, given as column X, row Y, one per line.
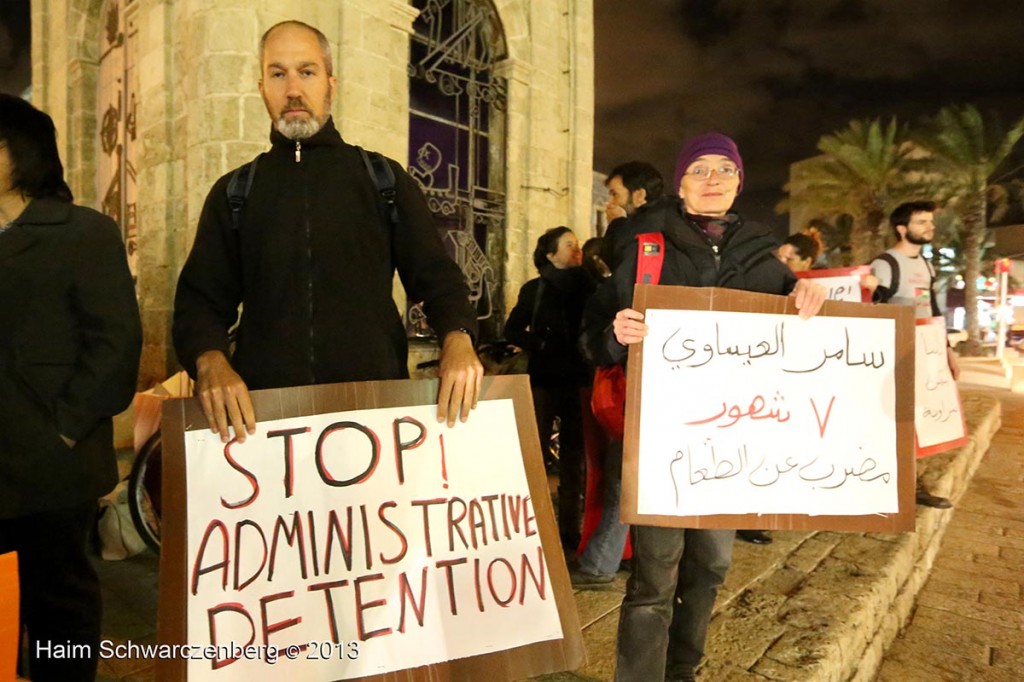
column 766, row 413
column 840, row 284
column 362, row 542
column 938, row 416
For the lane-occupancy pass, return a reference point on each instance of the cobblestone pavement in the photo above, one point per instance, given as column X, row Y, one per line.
column 967, row 626
column 969, row 621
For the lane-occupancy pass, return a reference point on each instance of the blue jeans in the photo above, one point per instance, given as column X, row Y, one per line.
column 663, row 623
column 603, row 552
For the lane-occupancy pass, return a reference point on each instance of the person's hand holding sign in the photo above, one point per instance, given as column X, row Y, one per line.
column 224, row 397
column 809, row 297
column 629, row 327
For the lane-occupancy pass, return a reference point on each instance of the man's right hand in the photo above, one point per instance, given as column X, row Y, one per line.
column 613, row 211
column 224, row 396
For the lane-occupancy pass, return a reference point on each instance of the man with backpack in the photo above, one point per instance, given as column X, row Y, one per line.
column 676, row 571
column 906, row 278
column 307, row 238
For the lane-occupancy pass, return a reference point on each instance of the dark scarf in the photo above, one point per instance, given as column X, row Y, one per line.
column 713, row 227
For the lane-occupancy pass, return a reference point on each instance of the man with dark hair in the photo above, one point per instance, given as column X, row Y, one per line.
column 311, row 255
column 906, row 278
column 630, row 185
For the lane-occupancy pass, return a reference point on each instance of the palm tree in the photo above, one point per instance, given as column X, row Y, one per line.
column 862, row 173
column 968, row 150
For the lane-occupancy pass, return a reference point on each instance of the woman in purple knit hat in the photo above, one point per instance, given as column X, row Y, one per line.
column 676, row 572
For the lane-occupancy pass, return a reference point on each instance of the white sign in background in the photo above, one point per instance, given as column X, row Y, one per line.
column 841, row 287
column 937, row 415
column 763, row 413
column 327, row 545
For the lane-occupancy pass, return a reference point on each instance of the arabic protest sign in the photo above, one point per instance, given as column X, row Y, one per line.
column 841, row 284
column 938, row 414
column 789, row 423
column 354, row 536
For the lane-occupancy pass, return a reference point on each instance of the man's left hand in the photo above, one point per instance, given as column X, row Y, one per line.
column 809, row 297
column 461, row 377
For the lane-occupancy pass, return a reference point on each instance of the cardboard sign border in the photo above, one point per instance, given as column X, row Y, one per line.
column 860, row 270
column 181, row 415
column 729, row 300
column 948, row 445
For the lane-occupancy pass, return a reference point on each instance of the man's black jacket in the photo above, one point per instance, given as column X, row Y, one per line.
column 312, row 262
column 744, row 261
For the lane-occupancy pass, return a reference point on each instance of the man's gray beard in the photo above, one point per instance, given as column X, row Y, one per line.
column 298, row 128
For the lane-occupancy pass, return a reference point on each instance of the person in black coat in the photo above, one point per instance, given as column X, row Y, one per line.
column 69, row 348
column 545, row 323
column 664, row 617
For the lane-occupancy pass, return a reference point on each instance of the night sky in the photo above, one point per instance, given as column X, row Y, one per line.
column 778, row 74
column 774, row 74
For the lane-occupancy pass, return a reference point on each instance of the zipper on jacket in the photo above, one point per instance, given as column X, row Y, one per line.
column 298, row 151
column 309, row 259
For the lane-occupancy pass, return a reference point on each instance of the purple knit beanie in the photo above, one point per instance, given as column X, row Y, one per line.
column 708, row 143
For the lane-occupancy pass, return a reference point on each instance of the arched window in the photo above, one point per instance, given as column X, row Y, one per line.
column 115, row 114
column 457, row 142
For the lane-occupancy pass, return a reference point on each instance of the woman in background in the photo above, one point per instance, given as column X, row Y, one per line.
column 545, row 323
column 801, row 251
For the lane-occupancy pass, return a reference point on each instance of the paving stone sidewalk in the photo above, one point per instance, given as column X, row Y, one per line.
column 969, row 622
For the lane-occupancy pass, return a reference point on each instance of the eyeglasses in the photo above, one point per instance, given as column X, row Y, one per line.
column 704, row 173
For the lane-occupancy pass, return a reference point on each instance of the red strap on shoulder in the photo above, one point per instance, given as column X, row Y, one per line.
column 650, row 254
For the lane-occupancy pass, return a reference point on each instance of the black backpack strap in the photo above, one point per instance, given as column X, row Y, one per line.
column 536, row 305
column 931, row 289
column 238, row 189
column 384, row 180
column 885, row 294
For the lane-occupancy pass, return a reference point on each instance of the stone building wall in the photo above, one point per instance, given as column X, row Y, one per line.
column 200, row 113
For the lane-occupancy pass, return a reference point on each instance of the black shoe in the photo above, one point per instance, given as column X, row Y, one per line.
column 584, row 579
column 926, row 499
column 755, row 537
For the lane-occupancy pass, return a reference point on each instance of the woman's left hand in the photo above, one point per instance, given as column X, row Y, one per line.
column 809, row 297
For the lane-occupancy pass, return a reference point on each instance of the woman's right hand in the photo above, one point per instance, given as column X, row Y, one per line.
column 629, row 327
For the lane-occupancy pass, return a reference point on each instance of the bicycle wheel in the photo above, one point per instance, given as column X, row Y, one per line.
column 144, row 492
